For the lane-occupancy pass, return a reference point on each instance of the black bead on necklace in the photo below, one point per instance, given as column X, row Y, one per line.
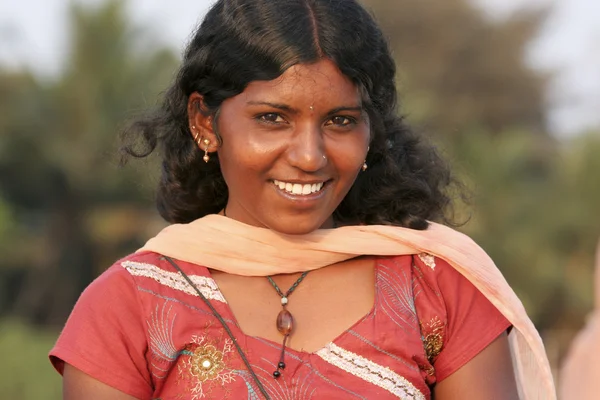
column 285, row 320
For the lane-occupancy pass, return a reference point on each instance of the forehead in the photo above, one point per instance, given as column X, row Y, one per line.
column 317, row 82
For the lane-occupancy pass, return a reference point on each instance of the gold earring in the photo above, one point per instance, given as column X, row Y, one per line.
column 206, row 156
column 365, row 166
column 196, row 135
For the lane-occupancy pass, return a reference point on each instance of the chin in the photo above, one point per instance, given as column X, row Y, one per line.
column 295, row 228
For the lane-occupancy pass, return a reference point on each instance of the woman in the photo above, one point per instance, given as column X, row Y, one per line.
column 282, row 154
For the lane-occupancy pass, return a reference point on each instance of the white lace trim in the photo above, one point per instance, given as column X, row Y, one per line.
column 367, row 370
column 174, row 280
column 428, row 260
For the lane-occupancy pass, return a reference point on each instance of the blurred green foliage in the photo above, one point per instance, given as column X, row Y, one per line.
column 28, row 375
column 535, row 209
column 67, row 211
column 464, row 81
column 59, row 163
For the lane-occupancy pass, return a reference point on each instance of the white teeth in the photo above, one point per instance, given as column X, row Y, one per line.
column 299, row 189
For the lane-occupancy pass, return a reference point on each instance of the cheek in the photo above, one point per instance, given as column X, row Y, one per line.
column 243, row 161
column 354, row 148
column 246, row 151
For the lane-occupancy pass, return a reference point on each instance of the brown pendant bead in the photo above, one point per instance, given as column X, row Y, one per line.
column 285, row 322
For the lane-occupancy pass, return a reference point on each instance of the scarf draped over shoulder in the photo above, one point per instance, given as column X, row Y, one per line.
column 230, row 246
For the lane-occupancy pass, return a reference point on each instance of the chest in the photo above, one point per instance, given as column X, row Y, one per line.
column 323, row 305
column 374, row 350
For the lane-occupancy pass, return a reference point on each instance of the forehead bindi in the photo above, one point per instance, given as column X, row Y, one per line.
column 318, row 84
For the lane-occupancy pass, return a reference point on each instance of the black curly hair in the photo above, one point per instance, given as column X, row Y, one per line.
column 240, row 41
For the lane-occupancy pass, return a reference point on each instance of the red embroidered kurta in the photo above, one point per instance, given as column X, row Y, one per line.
column 143, row 330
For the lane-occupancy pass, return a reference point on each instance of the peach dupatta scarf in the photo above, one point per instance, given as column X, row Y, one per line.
column 227, row 245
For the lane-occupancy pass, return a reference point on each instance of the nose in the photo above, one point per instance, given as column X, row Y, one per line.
column 306, row 151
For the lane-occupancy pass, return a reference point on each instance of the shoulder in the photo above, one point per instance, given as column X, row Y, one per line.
column 445, row 254
column 126, row 267
column 146, row 265
column 457, row 320
column 440, row 273
column 109, row 314
column 120, row 276
column 425, row 267
column 143, row 272
column 116, row 288
column 158, row 274
column 434, row 282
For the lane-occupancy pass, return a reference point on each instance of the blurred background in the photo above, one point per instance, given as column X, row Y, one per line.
column 508, row 90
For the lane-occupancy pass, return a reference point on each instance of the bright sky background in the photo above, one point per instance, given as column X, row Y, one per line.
column 34, row 33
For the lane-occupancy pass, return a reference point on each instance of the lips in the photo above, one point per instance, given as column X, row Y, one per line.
column 299, row 189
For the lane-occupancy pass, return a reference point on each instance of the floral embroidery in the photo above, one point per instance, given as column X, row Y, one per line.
column 207, row 362
column 433, row 341
column 203, row 366
column 428, row 260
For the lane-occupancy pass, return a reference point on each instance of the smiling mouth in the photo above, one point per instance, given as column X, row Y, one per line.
column 299, row 189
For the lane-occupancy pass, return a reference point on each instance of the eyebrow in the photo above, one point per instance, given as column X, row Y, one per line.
column 345, row 108
column 285, row 107
column 280, row 106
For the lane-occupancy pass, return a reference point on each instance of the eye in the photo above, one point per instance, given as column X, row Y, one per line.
column 271, row 118
column 341, row 121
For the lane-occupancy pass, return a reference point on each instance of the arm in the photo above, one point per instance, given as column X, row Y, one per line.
column 105, row 338
column 77, row 385
column 488, row 376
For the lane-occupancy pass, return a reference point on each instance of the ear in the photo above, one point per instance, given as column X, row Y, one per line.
column 201, row 123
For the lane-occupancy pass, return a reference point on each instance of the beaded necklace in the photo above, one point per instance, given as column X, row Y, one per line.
column 285, row 320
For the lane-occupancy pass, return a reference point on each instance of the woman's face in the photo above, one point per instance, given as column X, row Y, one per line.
column 292, row 148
